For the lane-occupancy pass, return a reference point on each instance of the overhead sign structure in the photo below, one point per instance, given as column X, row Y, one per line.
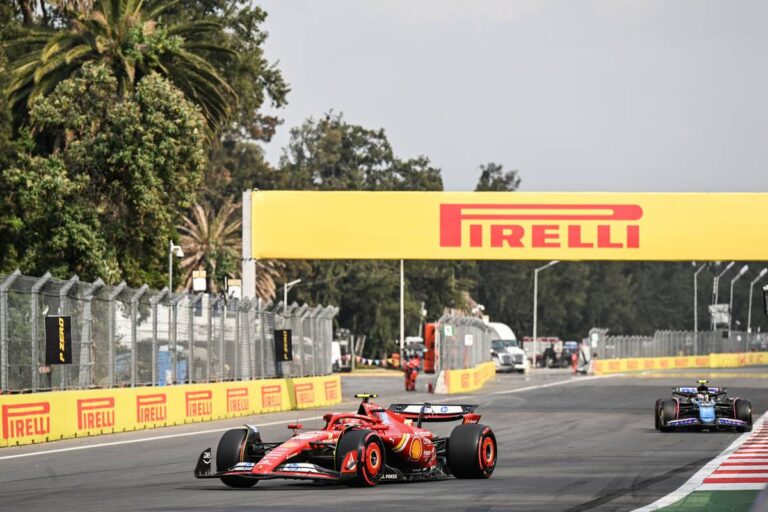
column 58, row 340
column 507, row 226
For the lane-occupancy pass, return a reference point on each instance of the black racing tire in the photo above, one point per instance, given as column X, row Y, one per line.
column 472, row 451
column 656, row 415
column 743, row 412
column 230, row 451
column 667, row 412
column 367, row 449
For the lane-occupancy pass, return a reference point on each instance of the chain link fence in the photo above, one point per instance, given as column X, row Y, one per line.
column 462, row 342
column 123, row 336
column 675, row 343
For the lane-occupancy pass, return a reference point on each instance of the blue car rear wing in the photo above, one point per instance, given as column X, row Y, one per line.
column 693, row 390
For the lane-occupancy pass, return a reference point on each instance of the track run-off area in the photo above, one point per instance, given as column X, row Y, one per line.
column 565, row 444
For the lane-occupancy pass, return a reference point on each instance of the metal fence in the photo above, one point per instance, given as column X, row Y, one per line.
column 462, row 342
column 140, row 337
column 675, row 343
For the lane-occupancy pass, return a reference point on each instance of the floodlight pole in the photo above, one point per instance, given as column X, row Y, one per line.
column 536, row 308
column 751, row 289
column 730, row 300
column 696, row 308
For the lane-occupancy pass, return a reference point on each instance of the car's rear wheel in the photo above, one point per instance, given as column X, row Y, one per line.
column 667, row 412
column 743, row 412
column 360, row 458
column 230, row 451
column 472, row 451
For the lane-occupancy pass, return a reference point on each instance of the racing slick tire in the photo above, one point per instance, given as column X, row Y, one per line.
column 743, row 411
column 230, row 451
column 360, row 458
column 472, row 451
column 667, row 412
column 656, row 415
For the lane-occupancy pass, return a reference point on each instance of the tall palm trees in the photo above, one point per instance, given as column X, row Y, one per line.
column 210, row 238
column 127, row 35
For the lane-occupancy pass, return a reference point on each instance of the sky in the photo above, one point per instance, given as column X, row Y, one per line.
column 577, row 95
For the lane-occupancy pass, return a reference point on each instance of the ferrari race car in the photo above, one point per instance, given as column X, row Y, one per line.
column 361, row 449
column 702, row 408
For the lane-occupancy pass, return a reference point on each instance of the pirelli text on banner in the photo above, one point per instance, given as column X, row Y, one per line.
column 509, row 225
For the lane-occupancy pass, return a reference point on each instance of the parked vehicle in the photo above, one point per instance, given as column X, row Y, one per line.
column 505, row 349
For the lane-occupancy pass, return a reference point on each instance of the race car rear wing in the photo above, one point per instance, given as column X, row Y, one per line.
column 435, row 412
column 693, row 390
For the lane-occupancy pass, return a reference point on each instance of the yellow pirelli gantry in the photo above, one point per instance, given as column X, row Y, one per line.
column 506, row 226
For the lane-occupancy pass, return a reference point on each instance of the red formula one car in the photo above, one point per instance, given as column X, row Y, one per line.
column 362, row 449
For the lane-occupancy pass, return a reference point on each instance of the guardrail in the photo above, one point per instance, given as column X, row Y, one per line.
column 638, row 364
column 51, row 416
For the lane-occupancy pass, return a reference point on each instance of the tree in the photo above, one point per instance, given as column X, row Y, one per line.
column 210, row 239
column 331, row 154
column 126, row 36
column 105, row 203
column 493, row 178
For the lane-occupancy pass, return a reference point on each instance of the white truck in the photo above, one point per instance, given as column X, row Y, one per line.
column 505, row 349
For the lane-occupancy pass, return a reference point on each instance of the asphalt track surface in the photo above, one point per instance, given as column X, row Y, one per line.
column 585, row 444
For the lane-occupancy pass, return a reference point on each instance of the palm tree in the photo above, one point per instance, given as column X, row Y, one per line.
column 127, row 36
column 211, row 238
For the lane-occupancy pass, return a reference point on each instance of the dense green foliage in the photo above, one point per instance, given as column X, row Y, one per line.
column 126, row 165
column 125, row 124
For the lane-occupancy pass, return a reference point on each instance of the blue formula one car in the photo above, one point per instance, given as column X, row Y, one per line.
column 702, row 408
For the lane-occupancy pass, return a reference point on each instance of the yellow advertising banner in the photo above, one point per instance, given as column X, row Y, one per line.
column 50, row 416
column 509, row 225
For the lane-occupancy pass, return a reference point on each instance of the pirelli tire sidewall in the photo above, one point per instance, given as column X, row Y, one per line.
column 667, row 412
column 472, row 451
column 742, row 410
column 230, row 451
column 368, row 450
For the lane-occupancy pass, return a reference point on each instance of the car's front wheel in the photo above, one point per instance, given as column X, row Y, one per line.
column 360, row 458
column 743, row 411
column 230, row 451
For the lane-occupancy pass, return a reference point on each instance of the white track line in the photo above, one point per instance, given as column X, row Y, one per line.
column 144, row 439
column 556, row 383
column 698, row 479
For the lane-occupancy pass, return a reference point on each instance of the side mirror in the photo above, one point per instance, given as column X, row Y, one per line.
column 294, row 426
column 378, row 428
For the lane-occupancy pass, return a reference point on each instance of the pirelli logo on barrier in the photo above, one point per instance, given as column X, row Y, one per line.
column 26, row 420
column 272, row 397
column 331, row 391
column 95, row 413
column 237, row 400
column 198, row 403
column 541, row 226
column 151, row 408
column 305, row 394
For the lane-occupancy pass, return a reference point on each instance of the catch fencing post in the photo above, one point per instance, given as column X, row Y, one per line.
column 35, row 292
column 111, row 332
column 172, row 329
column 85, row 377
column 4, row 363
column 209, row 336
column 63, row 310
column 192, row 303
column 134, row 329
column 154, row 301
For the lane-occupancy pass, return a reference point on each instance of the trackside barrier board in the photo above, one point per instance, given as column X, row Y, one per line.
column 55, row 415
column 471, row 379
column 734, row 360
column 507, row 225
column 731, row 481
